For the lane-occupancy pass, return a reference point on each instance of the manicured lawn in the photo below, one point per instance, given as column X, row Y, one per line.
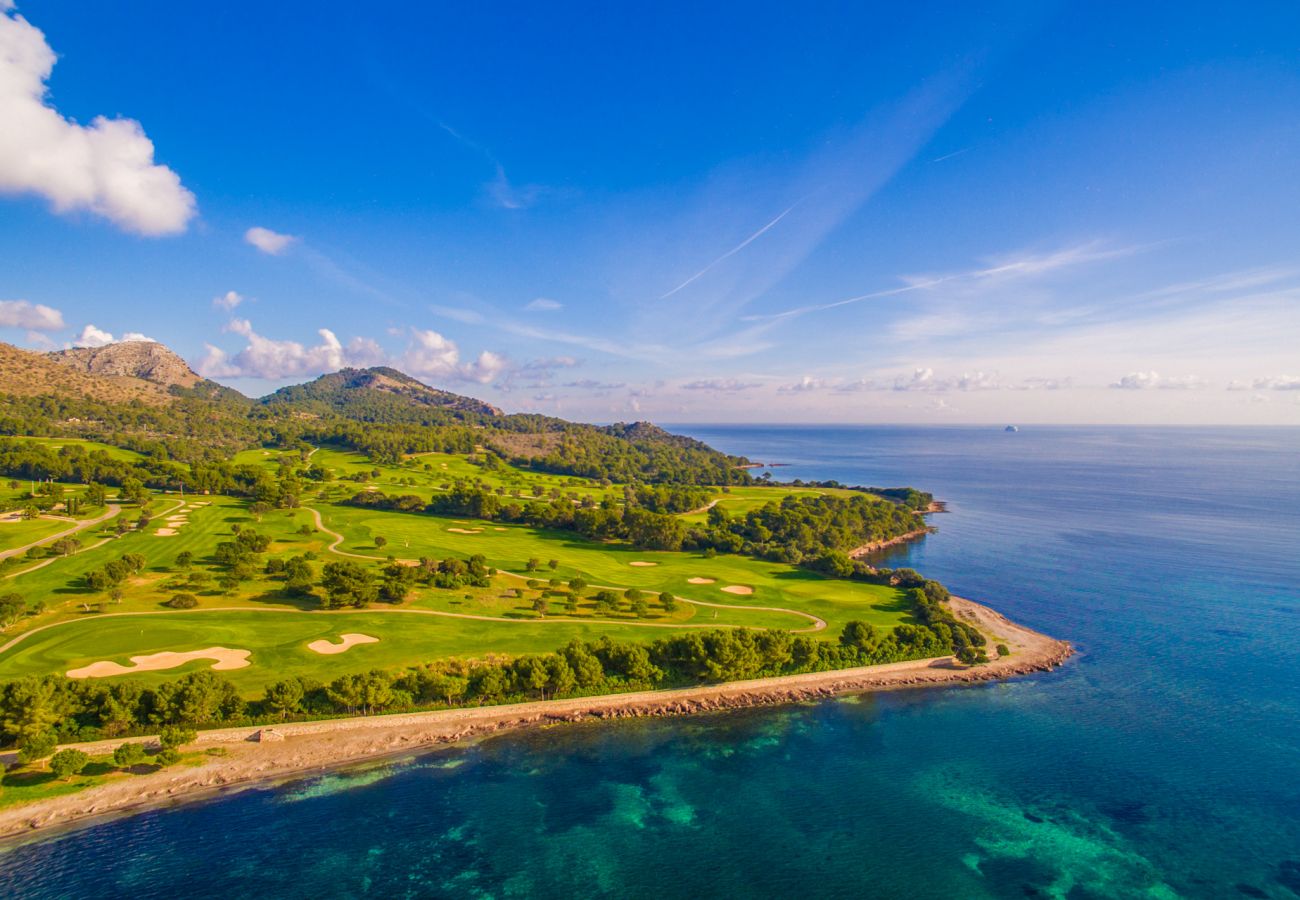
column 278, row 640
column 509, row 548
column 20, row 532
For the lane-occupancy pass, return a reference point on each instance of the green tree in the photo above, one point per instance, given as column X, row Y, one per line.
column 174, row 736
column 128, row 755
column 284, row 697
column 167, row 756
column 347, row 584
column 183, row 601
column 668, row 601
column 67, row 763
column 37, row 746
column 12, row 608
column 381, row 542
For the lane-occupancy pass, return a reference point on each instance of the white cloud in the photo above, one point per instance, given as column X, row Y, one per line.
column 228, row 301
column 1278, row 383
column 430, row 354
column 544, row 304
column 265, row 357
column 106, row 167
column 720, row 385
column 92, row 336
column 268, row 241
column 1136, row 381
column 486, row 368
column 32, row 316
column 803, row 385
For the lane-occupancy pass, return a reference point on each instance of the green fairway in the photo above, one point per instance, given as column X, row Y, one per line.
column 89, row 446
column 278, row 640
column 16, row 532
column 509, row 547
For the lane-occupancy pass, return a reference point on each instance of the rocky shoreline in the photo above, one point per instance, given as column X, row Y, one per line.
column 308, row 748
column 877, row 546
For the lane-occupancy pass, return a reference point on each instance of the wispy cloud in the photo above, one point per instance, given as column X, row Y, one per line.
column 228, row 301
column 995, row 273
column 732, row 252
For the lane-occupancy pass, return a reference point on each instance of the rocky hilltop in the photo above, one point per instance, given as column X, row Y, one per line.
column 147, row 360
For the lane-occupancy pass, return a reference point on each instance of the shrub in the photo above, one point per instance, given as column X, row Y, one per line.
column 168, row 756
column 173, row 736
column 128, row 755
column 1002, row 650
column 183, row 601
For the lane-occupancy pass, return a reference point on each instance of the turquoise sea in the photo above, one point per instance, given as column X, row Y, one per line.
column 1162, row 761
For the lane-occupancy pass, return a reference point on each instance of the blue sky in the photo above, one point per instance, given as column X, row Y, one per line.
column 753, row 212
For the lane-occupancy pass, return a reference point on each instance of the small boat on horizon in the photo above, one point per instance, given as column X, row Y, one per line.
column 1011, row 428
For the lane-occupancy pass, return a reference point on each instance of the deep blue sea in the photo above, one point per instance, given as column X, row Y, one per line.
column 1162, row 761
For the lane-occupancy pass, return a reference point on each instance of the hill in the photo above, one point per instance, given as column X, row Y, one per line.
column 379, row 394
column 144, row 397
column 24, row 373
column 147, row 360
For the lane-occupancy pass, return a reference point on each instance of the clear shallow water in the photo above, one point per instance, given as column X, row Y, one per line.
column 1163, row 761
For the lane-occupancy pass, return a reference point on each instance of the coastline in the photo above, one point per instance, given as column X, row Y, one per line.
column 309, row 748
column 877, row 546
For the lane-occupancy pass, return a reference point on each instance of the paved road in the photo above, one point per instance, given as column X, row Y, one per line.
column 112, row 510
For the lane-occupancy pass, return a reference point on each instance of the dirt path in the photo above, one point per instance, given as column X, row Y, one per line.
column 111, row 510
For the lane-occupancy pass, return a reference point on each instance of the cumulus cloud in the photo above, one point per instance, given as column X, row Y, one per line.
column 106, row 168
column 432, row 355
column 427, row 354
column 32, row 316
column 265, row 357
column 268, row 241
column 1277, row 383
column 228, row 301
column 720, row 385
column 803, row 385
column 1137, row 381
column 91, row 336
column 544, row 304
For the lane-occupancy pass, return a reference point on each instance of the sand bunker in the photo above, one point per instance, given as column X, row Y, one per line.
column 737, row 589
column 465, row 530
column 224, row 658
column 699, row 581
column 500, row 529
column 642, row 564
column 165, row 532
column 346, row 641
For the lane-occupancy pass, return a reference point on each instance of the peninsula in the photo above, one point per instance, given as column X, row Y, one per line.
column 199, row 590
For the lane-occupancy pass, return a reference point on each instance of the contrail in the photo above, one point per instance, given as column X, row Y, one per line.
column 732, row 252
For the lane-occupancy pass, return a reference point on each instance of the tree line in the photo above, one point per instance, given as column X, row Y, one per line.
column 34, row 708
